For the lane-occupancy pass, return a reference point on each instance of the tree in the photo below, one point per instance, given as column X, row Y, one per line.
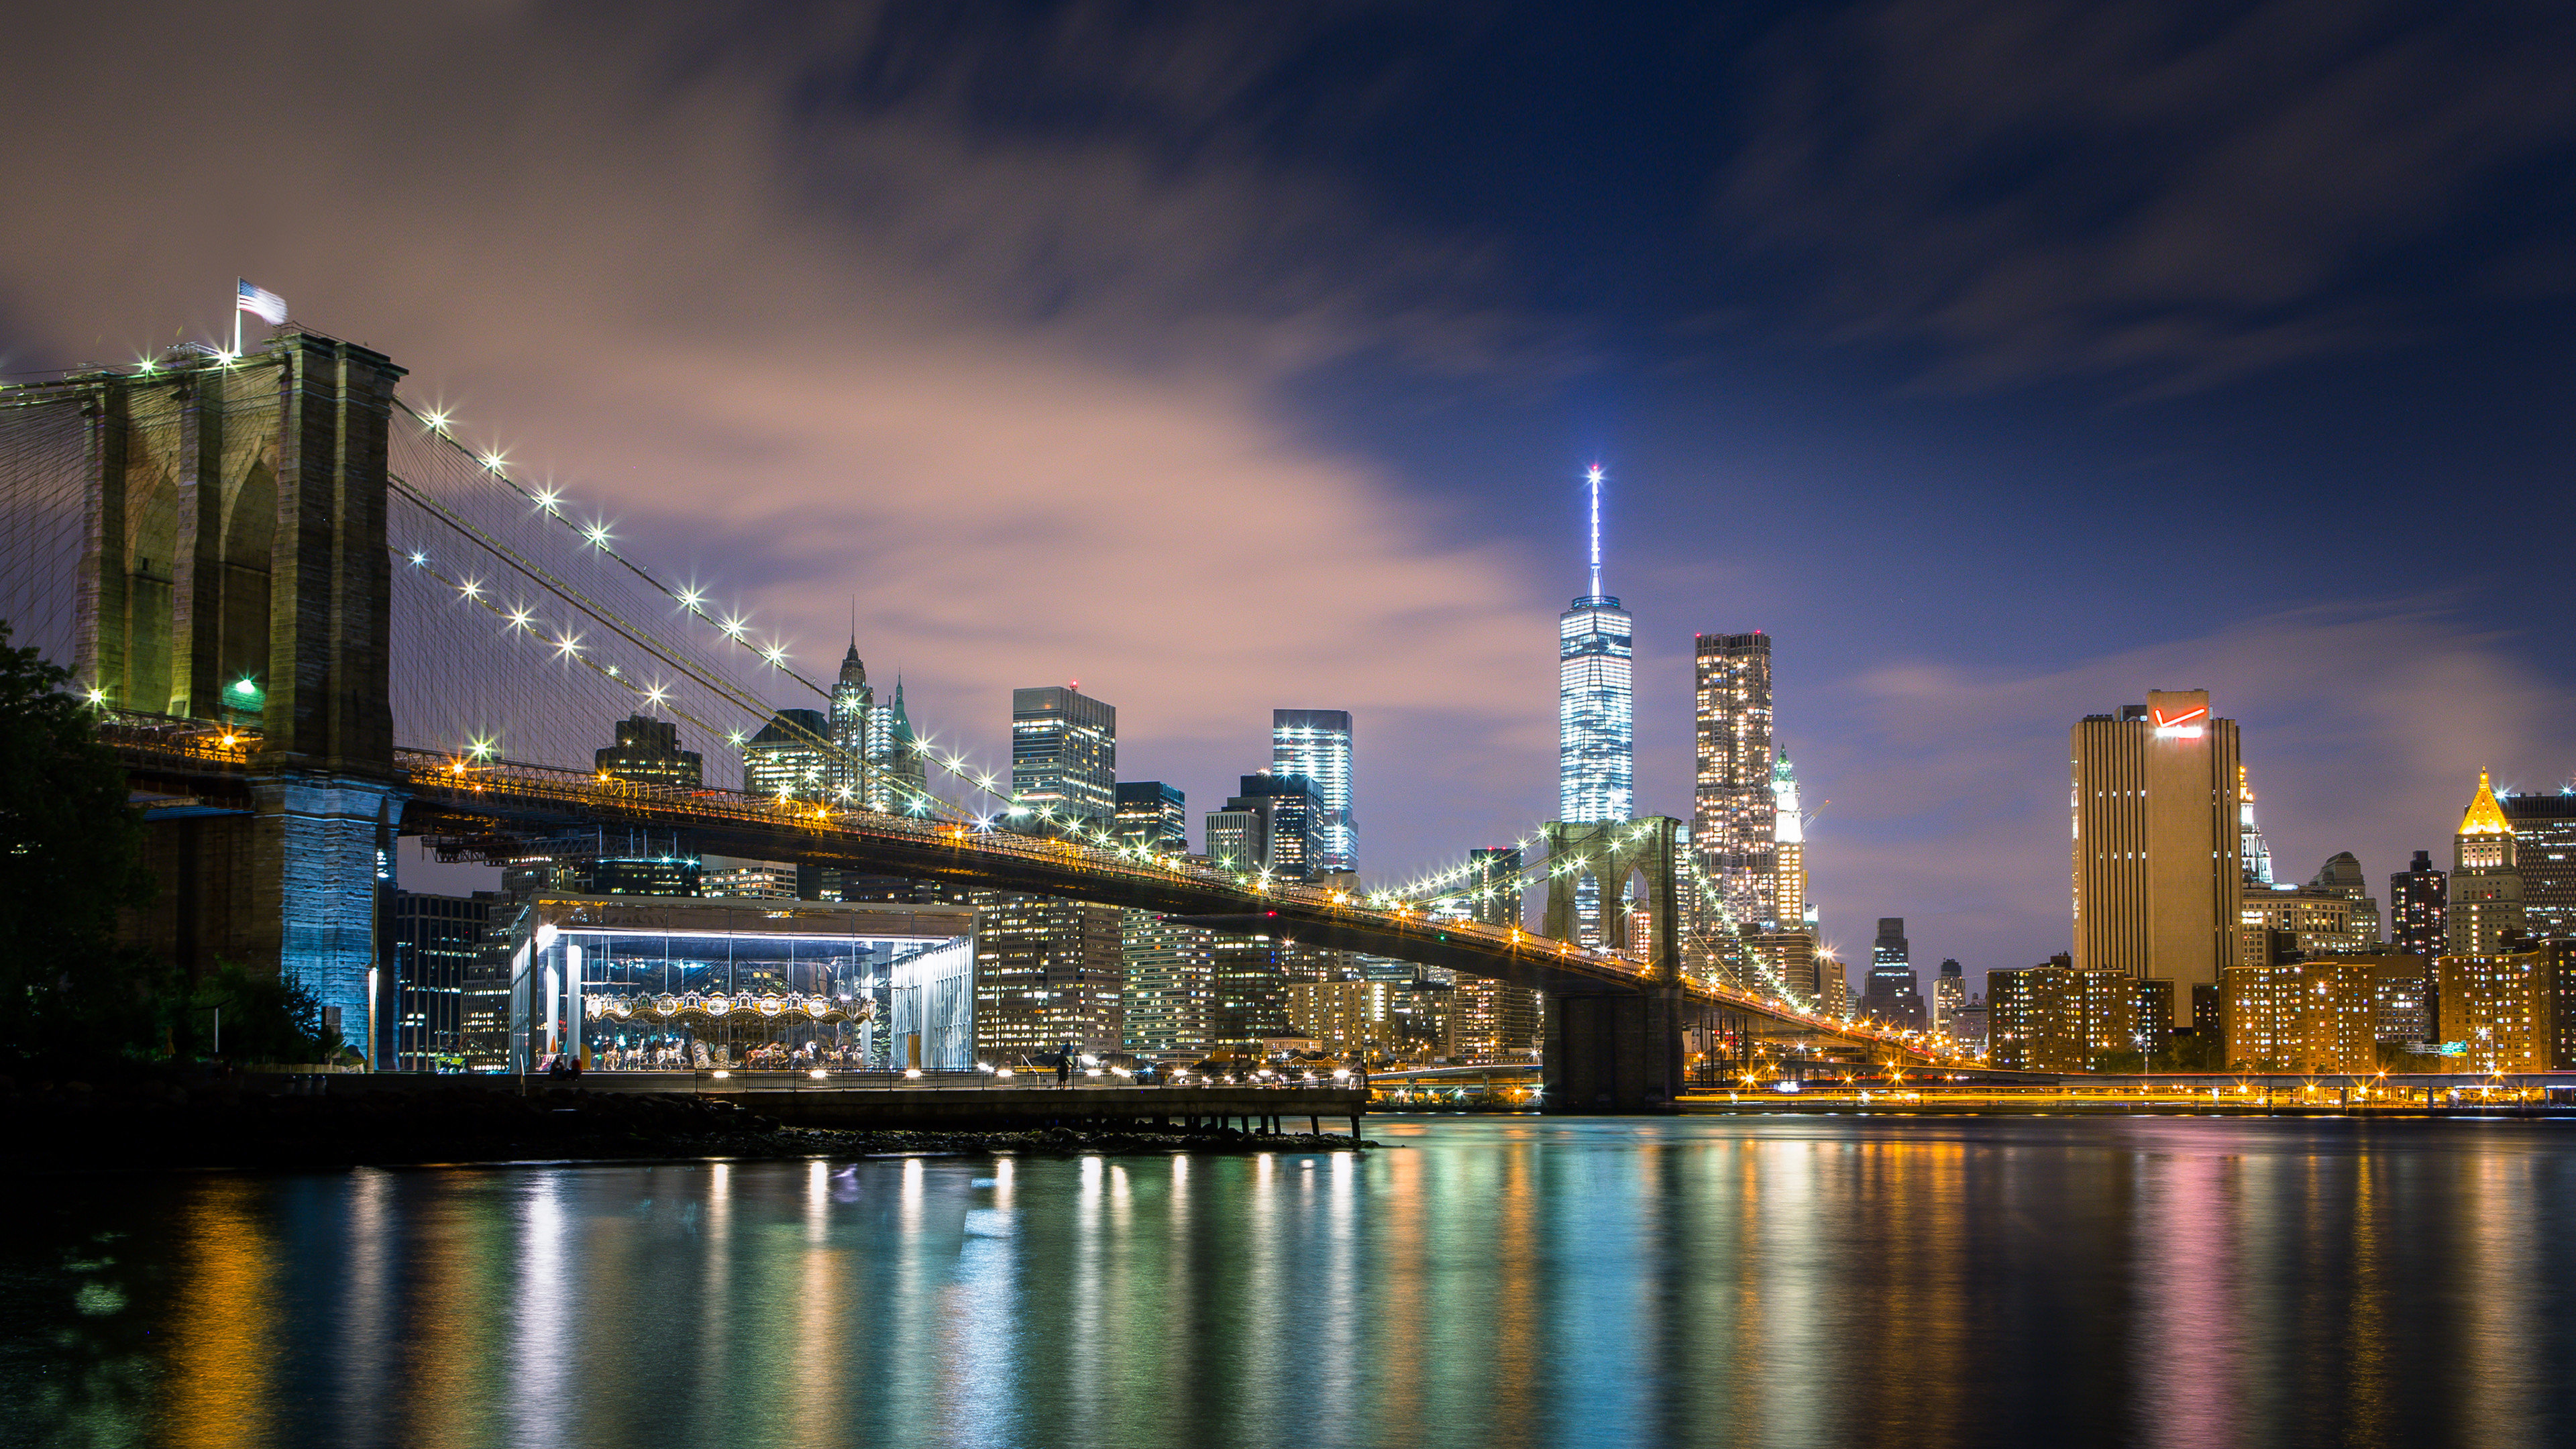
column 265, row 1018
column 71, row 859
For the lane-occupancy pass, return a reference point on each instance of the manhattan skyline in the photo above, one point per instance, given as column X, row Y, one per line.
column 2196, row 438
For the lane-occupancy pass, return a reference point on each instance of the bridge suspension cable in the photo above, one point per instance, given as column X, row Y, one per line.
column 432, row 451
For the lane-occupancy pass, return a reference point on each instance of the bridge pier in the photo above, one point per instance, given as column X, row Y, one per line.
column 1614, row 1054
column 1617, row 1052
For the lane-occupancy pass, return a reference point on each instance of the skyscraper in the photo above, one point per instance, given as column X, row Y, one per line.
column 1892, row 995
column 2485, row 904
column 2416, row 899
column 1788, row 895
column 2341, row 876
column 1316, row 743
column 854, row 781
column 1153, row 815
column 1596, row 708
column 1735, row 814
column 2158, row 875
column 1274, row 825
column 648, row 752
column 2544, row 855
column 1949, row 998
column 2252, row 855
column 901, row 768
column 1596, row 754
column 1064, row 757
column 792, row 756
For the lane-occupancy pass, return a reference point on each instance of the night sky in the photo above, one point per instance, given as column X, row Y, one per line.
column 2004, row 361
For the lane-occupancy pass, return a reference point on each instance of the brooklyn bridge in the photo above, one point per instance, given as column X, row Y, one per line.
column 312, row 622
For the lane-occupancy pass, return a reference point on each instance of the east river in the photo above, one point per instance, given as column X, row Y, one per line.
column 1486, row 1281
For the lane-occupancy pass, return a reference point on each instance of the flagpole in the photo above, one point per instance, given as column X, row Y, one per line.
column 237, row 286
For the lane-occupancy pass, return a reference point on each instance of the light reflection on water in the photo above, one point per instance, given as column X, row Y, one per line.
column 1484, row 1281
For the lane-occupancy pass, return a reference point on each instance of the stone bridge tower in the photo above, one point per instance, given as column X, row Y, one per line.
column 1624, row 1051
column 233, row 570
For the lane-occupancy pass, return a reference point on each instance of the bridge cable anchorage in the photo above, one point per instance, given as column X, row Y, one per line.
column 548, row 505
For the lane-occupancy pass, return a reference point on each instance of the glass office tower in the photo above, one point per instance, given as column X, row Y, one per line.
column 1316, row 743
column 1596, row 707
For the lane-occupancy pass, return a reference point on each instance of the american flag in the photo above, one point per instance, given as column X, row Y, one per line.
column 262, row 303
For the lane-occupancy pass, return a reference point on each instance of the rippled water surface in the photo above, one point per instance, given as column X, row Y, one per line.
column 1481, row 1281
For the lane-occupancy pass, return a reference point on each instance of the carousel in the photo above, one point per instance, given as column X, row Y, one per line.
column 695, row 1030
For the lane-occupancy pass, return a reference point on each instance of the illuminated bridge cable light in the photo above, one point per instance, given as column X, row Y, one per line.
column 548, row 502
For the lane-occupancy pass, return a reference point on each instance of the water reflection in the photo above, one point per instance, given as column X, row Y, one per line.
column 1494, row 1282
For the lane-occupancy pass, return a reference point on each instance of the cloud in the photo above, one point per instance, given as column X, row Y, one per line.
column 805, row 310
column 2172, row 195
column 2362, row 726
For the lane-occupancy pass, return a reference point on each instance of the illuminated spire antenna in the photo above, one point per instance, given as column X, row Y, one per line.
column 1595, row 478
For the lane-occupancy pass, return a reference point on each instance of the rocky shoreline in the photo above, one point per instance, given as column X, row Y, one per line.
column 152, row 1126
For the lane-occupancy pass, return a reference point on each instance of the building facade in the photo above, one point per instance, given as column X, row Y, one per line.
column 1048, row 973
column 2157, row 872
column 1316, row 744
column 1949, row 998
column 2341, row 876
column 1735, row 809
column 2544, row 835
column 1153, row 816
column 2417, row 900
column 1790, row 908
column 2322, row 922
column 1064, row 758
column 1274, row 826
column 1892, row 994
column 759, row 880
column 2317, row 1015
column 2055, row 1018
column 1170, row 986
column 792, row 758
column 2514, row 1011
column 2252, row 855
column 2401, row 989
column 439, row 941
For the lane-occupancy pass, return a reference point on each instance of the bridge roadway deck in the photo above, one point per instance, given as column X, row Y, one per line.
column 452, row 797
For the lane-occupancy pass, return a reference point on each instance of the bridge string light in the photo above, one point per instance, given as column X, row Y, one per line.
column 568, row 646
column 735, row 627
column 548, row 500
column 914, row 801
